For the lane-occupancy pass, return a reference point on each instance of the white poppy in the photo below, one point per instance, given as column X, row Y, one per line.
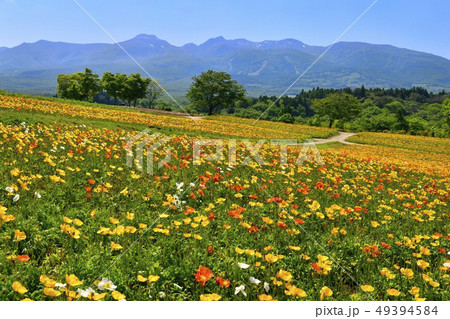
column 178, row 286
column 446, row 265
column 243, row 266
column 266, row 287
column 106, row 284
column 86, row 293
column 60, row 285
column 9, row 189
column 192, row 184
column 179, row 185
column 16, row 198
column 37, row 195
column 240, row 289
column 255, row 281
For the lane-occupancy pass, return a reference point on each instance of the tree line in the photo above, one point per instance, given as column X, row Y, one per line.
column 413, row 111
column 85, row 86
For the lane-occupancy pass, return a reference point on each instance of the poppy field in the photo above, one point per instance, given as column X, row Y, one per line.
column 77, row 223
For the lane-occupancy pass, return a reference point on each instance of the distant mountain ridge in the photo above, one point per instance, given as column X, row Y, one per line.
column 266, row 67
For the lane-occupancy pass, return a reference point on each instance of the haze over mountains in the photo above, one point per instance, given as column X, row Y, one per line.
column 266, row 67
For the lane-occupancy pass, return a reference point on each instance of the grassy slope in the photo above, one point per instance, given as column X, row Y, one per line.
column 215, row 127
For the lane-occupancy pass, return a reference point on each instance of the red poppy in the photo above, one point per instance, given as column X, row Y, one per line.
column 210, row 250
column 211, row 216
column 91, row 181
column 299, row 221
column 88, row 188
column 315, row 266
column 202, row 275
column 222, row 282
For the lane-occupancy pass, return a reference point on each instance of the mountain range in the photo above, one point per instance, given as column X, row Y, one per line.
column 266, row 67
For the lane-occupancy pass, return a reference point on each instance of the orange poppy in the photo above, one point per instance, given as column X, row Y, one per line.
column 23, row 258
column 202, row 275
column 281, row 224
column 387, row 246
column 189, row 210
column 222, row 282
column 253, row 229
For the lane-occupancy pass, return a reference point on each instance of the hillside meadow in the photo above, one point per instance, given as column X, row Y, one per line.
column 76, row 223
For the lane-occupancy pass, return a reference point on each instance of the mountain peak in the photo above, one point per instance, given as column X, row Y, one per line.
column 144, row 36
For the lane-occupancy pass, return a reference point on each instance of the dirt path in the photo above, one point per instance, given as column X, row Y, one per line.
column 337, row 138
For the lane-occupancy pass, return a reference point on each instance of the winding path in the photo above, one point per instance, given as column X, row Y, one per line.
column 337, row 138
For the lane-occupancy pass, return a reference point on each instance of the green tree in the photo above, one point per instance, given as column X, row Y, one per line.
column 90, row 85
column 286, row 118
column 135, row 87
column 401, row 124
column 69, row 86
column 78, row 86
column 113, row 84
column 213, row 89
column 337, row 106
column 154, row 91
column 446, row 111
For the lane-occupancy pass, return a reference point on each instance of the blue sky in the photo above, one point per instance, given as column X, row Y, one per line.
column 413, row 24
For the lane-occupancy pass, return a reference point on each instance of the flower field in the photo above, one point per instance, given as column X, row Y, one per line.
column 77, row 224
column 243, row 129
column 415, row 143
